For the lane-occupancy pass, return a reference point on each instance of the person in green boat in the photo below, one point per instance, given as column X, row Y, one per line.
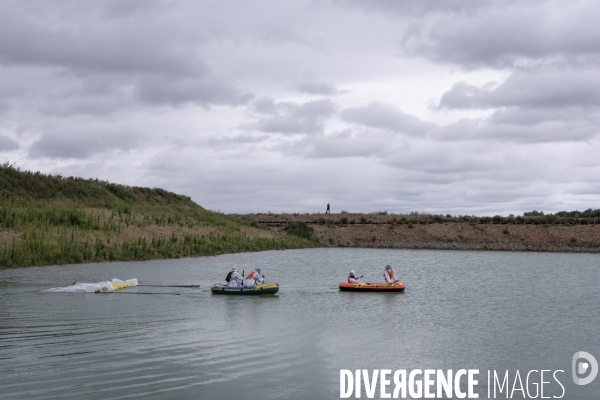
column 254, row 278
column 234, row 278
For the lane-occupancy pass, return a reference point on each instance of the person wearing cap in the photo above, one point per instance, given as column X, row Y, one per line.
column 352, row 277
column 254, row 278
column 234, row 278
column 389, row 276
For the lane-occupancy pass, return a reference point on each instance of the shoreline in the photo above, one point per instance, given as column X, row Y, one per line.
column 394, row 231
column 421, row 232
column 407, row 243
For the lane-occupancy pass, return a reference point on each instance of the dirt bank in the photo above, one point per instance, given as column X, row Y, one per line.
column 387, row 231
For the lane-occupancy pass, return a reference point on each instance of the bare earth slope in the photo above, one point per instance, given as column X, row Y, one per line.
column 397, row 231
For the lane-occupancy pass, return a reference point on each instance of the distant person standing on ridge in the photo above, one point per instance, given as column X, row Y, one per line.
column 328, row 211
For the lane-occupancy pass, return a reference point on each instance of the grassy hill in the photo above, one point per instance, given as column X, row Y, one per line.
column 50, row 219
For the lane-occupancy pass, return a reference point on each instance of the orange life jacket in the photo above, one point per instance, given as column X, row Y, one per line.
column 251, row 274
column 351, row 277
column 390, row 273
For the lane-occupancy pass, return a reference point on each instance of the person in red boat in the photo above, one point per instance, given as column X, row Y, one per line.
column 353, row 279
column 389, row 276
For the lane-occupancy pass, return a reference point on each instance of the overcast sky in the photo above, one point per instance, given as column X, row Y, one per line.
column 459, row 106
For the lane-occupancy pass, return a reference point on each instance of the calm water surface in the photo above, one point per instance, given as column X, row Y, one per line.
column 486, row 310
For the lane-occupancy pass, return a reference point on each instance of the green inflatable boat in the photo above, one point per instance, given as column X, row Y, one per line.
column 264, row 288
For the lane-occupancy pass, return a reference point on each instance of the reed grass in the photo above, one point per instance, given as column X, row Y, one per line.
column 46, row 219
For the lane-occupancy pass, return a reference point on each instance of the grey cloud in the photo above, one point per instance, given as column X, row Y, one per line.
column 82, row 144
column 504, row 125
column 419, row 8
column 130, row 50
column 530, row 106
column 540, row 88
column 174, row 90
column 531, row 116
column 382, row 116
column 78, row 41
column 7, row 144
column 316, row 88
column 227, row 142
column 290, row 117
column 508, row 35
column 346, row 143
column 469, row 160
column 464, row 95
column 86, row 105
column 119, row 8
column 278, row 35
column 547, row 130
column 46, row 92
column 249, row 139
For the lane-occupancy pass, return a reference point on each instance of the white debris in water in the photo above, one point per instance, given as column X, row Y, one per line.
column 103, row 287
column 132, row 282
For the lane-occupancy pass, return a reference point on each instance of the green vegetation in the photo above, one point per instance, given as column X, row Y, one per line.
column 534, row 213
column 589, row 213
column 568, row 218
column 46, row 219
column 301, row 230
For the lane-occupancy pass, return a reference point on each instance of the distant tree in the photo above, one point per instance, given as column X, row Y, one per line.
column 533, row 213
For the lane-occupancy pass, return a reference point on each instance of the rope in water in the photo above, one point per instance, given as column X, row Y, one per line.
column 183, row 286
column 308, row 287
column 120, row 292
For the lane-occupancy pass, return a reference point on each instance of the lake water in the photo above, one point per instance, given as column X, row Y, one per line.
column 461, row 310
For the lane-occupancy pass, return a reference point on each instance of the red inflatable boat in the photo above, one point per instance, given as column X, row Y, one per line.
column 373, row 287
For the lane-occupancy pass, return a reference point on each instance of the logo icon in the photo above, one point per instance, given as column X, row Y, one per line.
column 580, row 367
